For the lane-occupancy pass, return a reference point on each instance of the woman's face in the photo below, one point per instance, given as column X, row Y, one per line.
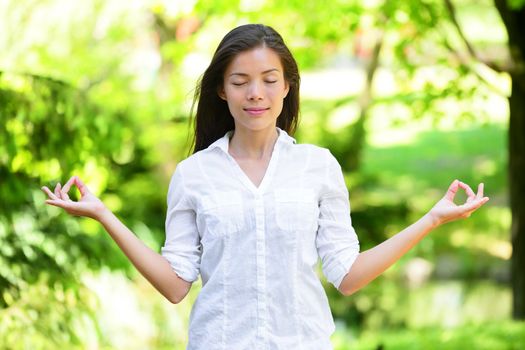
column 254, row 88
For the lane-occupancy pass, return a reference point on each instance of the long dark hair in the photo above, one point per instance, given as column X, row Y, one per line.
column 213, row 119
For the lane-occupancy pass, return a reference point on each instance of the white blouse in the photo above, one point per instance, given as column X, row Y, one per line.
column 256, row 248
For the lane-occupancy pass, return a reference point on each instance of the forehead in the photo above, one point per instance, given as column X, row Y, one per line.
column 255, row 61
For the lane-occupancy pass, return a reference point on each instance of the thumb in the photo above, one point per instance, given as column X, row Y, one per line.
column 475, row 204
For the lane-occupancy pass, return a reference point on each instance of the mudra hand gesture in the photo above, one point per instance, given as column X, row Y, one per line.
column 88, row 204
column 446, row 210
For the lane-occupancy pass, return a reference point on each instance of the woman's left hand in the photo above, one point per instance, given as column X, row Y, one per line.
column 446, row 210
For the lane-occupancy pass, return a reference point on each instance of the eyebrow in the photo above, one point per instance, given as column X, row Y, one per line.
column 265, row 72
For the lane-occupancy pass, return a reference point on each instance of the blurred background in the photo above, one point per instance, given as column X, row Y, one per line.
column 408, row 95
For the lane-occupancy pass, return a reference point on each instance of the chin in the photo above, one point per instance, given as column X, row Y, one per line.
column 256, row 125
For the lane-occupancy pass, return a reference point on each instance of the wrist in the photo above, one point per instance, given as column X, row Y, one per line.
column 102, row 214
column 431, row 221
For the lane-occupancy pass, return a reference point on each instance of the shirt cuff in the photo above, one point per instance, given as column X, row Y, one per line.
column 182, row 267
column 338, row 272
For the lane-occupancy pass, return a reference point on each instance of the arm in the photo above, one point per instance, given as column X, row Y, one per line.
column 153, row 266
column 371, row 263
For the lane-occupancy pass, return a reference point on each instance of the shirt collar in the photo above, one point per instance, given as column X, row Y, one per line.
column 223, row 142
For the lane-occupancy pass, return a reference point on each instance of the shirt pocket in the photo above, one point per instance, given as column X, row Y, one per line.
column 296, row 209
column 222, row 213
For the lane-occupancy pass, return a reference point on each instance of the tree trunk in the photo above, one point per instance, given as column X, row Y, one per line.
column 517, row 196
column 513, row 20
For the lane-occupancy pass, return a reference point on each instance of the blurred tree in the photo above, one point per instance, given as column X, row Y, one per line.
column 68, row 80
column 513, row 15
column 47, row 128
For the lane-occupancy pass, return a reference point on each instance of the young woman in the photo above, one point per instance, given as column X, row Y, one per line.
column 251, row 211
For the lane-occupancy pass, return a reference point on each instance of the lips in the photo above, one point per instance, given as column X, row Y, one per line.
column 256, row 110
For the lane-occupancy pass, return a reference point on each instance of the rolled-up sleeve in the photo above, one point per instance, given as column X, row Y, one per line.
column 182, row 246
column 337, row 243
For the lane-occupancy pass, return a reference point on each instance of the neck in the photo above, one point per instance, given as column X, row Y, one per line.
column 252, row 144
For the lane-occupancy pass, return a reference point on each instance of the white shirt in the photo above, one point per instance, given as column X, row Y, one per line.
column 256, row 248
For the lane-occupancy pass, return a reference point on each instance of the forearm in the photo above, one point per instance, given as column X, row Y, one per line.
column 153, row 266
column 371, row 263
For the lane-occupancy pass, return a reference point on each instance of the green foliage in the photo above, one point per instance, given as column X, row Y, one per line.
column 485, row 336
column 85, row 123
column 516, row 4
column 49, row 131
column 398, row 184
column 48, row 315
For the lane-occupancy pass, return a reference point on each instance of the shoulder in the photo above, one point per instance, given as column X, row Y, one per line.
column 316, row 152
column 191, row 163
column 199, row 166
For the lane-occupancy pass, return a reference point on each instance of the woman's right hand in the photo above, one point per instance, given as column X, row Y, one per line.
column 88, row 205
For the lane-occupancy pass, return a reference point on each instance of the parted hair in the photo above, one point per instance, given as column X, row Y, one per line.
column 213, row 118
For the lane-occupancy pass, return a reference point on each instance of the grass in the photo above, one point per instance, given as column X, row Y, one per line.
column 418, row 170
column 434, row 158
column 490, row 336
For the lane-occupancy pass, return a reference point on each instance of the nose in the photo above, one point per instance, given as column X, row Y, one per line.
column 255, row 91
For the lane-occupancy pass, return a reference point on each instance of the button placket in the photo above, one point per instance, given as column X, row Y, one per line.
column 261, row 271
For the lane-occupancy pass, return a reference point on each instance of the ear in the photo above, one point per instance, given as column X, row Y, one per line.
column 286, row 89
column 221, row 93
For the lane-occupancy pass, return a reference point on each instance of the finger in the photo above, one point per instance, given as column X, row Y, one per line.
column 49, row 193
column 81, row 186
column 58, row 187
column 471, row 195
column 68, row 184
column 451, row 192
column 64, row 195
column 481, row 188
column 69, row 207
column 57, row 203
column 58, row 191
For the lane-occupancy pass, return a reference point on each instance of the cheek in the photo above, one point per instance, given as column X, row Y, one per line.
column 232, row 106
column 233, row 96
column 277, row 92
column 276, row 96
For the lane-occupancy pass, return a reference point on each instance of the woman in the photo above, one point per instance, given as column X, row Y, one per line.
column 251, row 211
